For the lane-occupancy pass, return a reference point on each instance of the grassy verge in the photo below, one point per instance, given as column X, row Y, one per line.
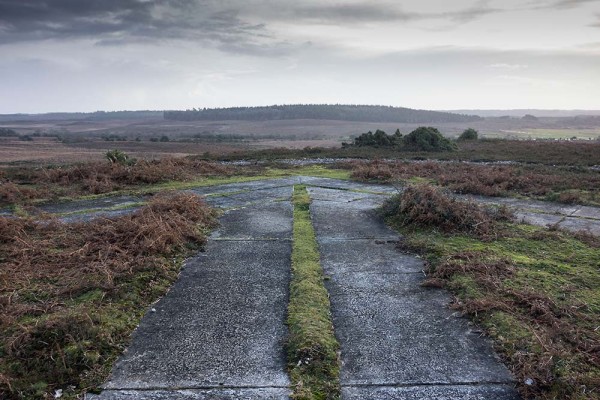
column 71, row 293
column 536, row 292
column 312, row 347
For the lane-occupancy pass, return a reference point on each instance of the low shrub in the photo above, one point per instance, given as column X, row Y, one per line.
column 469, row 134
column 376, row 171
column 427, row 138
column 427, row 206
column 103, row 177
column 563, row 184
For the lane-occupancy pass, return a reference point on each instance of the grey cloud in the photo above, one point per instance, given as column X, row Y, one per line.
column 223, row 24
column 111, row 22
column 572, row 3
column 368, row 12
column 556, row 4
column 478, row 10
column 350, row 13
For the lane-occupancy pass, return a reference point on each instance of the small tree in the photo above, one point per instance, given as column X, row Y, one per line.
column 117, row 157
column 469, row 134
column 164, row 138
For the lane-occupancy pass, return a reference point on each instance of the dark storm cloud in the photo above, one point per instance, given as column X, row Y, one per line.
column 119, row 21
column 223, row 24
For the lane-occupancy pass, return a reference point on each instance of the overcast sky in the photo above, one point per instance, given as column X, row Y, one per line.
column 87, row 55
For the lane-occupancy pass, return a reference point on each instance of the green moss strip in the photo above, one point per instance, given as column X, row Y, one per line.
column 312, row 348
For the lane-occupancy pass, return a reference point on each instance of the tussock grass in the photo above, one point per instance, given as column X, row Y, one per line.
column 312, row 348
column 71, row 293
column 535, row 291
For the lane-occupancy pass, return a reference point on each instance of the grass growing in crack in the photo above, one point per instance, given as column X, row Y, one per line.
column 71, row 293
column 312, row 347
column 536, row 292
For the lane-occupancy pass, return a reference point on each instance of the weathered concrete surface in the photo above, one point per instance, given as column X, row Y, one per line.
column 232, row 195
column 199, row 394
column 442, row 392
column 99, row 203
column 398, row 339
column 219, row 332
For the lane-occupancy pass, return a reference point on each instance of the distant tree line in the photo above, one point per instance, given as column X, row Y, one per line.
column 7, row 132
column 320, row 111
column 80, row 116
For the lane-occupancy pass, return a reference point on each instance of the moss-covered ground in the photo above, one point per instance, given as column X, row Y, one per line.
column 536, row 292
column 312, row 348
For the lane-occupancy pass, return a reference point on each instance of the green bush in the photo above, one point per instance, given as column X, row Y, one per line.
column 427, row 138
column 118, row 157
column 378, row 139
column 469, row 134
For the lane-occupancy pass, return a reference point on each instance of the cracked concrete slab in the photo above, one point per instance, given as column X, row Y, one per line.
column 580, row 224
column 220, row 330
column 198, row 394
column 99, row 203
column 271, row 220
column 240, row 199
column 261, row 184
column 442, row 392
column 358, row 220
column 346, row 185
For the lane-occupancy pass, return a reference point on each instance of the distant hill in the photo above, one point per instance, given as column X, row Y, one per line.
column 338, row 112
column 78, row 116
column 519, row 113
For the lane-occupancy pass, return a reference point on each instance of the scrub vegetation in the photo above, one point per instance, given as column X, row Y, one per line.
column 117, row 173
column 312, row 348
column 123, row 175
column 535, row 291
column 72, row 293
column 570, row 185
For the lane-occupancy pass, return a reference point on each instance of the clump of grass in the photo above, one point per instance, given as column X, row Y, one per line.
column 375, row 171
column 312, row 348
column 71, row 293
column 535, row 292
column 424, row 205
